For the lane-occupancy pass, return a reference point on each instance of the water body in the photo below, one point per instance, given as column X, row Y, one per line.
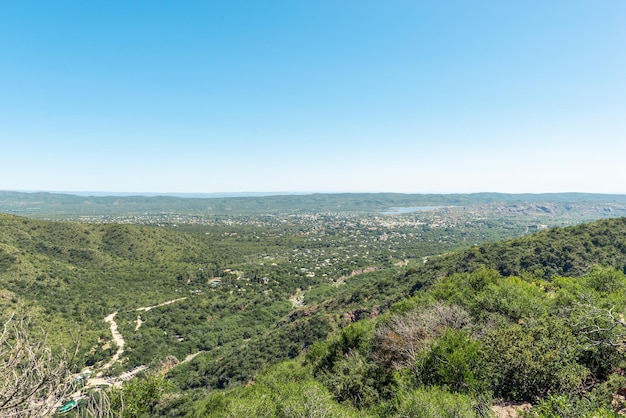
column 403, row 210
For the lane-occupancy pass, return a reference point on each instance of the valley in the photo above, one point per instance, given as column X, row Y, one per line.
column 217, row 300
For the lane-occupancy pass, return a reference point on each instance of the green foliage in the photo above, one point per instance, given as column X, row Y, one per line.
column 565, row 406
column 512, row 298
column 346, row 367
column 570, row 252
column 486, row 292
column 283, row 391
column 528, row 362
column 435, row 402
column 355, row 379
column 523, row 345
column 242, row 362
column 454, row 362
column 528, row 319
column 351, row 338
column 139, row 397
column 6, row 260
column 607, row 281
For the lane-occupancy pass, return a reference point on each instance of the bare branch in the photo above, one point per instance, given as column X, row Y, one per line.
column 406, row 335
column 599, row 326
column 33, row 379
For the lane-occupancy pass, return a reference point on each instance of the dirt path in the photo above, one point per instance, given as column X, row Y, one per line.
column 119, row 340
column 510, row 411
column 191, row 357
column 147, row 308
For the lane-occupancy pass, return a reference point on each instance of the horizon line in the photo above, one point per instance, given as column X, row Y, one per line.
column 87, row 193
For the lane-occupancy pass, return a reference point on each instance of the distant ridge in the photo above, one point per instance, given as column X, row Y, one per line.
column 158, row 194
column 56, row 205
column 198, row 195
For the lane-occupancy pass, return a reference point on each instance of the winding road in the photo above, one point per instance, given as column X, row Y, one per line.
column 118, row 338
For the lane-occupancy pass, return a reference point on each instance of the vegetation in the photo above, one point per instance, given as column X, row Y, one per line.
column 32, row 377
column 474, row 335
column 330, row 314
column 579, row 205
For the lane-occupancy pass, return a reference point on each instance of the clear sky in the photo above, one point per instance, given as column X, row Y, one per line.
column 313, row 96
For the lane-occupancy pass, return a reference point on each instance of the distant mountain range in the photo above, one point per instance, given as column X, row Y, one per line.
column 54, row 204
column 170, row 194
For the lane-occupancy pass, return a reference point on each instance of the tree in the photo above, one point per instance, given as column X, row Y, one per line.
column 33, row 378
column 140, row 397
column 453, row 362
column 525, row 363
column 599, row 326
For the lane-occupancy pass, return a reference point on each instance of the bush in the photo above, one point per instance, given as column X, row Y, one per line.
column 565, row 406
column 346, row 367
column 435, row 402
column 453, row 362
column 525, row 363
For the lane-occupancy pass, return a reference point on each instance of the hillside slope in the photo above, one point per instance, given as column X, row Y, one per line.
column 70, row 276
column 533, row 291
column 535, row 319
column 570, row 251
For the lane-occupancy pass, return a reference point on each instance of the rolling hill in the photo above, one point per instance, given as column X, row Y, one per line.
column 347, row 341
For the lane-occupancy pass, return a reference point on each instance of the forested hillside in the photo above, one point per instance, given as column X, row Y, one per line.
column 73, row 275
column 533, row 321
column 371, row 321
column 571, row 251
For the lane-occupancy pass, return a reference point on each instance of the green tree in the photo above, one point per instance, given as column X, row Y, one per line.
column 454, row 362
column 524, row 363
column 140, row 397
column 437, row 403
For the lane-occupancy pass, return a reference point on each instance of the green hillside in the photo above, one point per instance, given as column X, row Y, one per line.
column 535, row 319
column 73, row 275
column 571, row 251
column 62, row 257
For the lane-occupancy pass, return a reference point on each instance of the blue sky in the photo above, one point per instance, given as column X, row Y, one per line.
column 326, row 96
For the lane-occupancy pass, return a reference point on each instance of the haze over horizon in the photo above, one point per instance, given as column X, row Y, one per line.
column 302, row 97
column 87, row 193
